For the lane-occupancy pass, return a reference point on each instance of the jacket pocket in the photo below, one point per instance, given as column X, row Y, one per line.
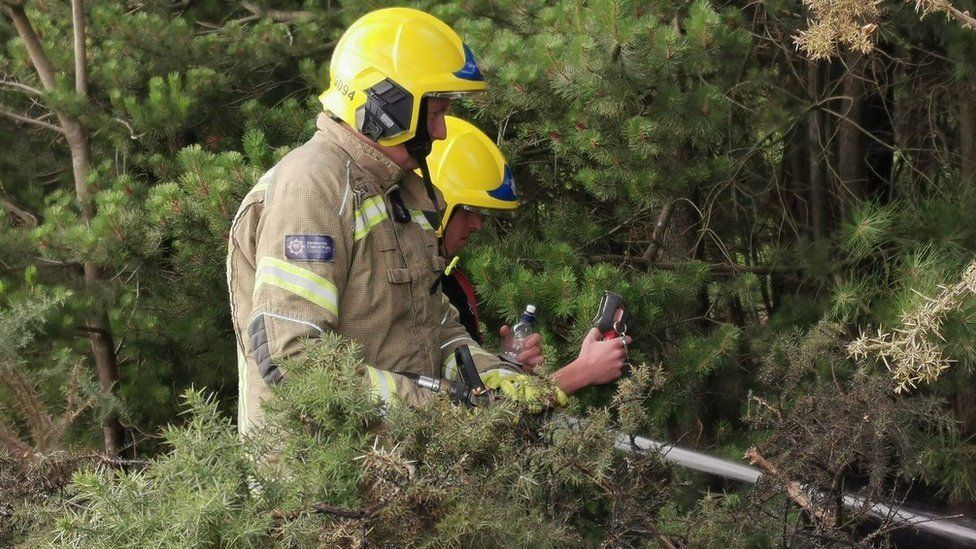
column 399, row 276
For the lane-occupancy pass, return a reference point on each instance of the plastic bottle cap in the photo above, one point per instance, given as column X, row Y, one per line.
column 530, row 309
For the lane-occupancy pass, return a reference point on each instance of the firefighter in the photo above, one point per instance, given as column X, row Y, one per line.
column 333, row 238
column 475, row 182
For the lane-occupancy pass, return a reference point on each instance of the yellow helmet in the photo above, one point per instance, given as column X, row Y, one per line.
column 386, row 62
column 470, row 172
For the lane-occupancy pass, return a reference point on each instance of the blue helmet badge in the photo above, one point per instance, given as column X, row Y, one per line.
column 470, row 70
column 505, row 191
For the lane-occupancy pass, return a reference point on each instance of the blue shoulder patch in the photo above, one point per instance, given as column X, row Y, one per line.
column 309, row 247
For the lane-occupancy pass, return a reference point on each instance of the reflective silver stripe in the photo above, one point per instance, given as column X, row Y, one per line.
column 504, row 372
column 298, row 281
column 420, row 219
column 242, row 419
column 264, row 182
column 450, row 368
column 444, row 320
column 390, row 385
column 254, row 317
column 479, row 351
column 345, row 196
column 370, row 214
column 455, row 340
column 383, row 384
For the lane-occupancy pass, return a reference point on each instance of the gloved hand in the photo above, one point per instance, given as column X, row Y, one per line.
column 534, row 391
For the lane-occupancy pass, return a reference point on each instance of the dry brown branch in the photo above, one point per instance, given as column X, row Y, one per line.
column 661, row 225
column 279, row 16
column 32, row 121
column 715, row 268
column 913, row 352
column 10, row 441
column 854, row 23
column 793, row 488
column 30, row 90
column 25, row 217
column 29, row 406
column 944, row 6
column 327, row 509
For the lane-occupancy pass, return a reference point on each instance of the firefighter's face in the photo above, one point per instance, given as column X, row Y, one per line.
column 437, row 108
column 436, row 111
column 462, row 225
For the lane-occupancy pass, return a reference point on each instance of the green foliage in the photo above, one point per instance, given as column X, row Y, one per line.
column 437, row 476
column 611, row 114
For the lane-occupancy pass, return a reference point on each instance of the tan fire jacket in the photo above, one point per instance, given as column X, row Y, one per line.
column 315, row 247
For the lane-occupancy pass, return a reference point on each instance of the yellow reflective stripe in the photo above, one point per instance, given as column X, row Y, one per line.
column 374, row 380
column 450, row 367
column 382, row 384
column 260, row 187
column 298, row 281
column 390, row 385
column 265, row 181
column 475, row 351
column 420, row 219
column 242, row 396
column 367, row 216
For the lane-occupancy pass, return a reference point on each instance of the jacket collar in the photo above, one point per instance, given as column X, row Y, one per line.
column 371, row 161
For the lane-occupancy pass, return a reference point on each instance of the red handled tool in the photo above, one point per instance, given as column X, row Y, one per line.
column 611, row 316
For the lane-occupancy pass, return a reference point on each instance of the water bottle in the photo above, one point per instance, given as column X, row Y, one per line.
column 520, row 332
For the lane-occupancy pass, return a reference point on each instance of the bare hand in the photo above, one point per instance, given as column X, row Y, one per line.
column 603, row 360
column 531, row 355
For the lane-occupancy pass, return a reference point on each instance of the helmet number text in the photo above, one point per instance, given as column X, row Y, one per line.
column 344, row 89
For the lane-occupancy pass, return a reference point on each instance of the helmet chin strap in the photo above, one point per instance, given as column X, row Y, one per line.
column 419, row 147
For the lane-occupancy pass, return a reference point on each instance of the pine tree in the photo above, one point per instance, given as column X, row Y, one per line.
column 136, row 232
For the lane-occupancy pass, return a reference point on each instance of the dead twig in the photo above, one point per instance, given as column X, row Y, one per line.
column 661, row 225
column 715, row 268
column 793, row 488
column 327, row 509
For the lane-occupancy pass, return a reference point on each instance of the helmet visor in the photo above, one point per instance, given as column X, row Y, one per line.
column 489, row 212
column 455, row 94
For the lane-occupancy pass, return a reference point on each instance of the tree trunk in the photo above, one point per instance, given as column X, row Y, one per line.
column 851, row 171
column 967, row 133
column 817, row 153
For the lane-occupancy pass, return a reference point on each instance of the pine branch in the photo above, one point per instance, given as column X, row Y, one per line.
column 42, row 262
column 21, row 87
column 32, row 121
column 715, row 268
